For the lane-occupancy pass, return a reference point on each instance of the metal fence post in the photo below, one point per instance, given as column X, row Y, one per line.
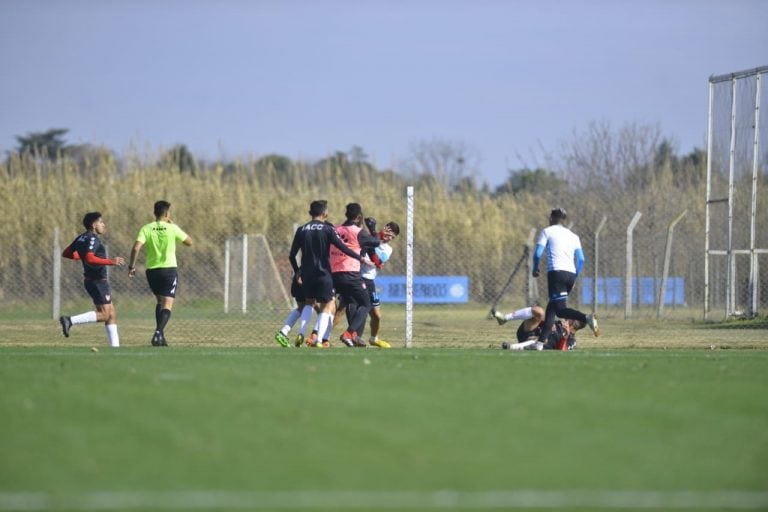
column 628, row 281
column 56, row 302
column 665, row 272
column 597, row 259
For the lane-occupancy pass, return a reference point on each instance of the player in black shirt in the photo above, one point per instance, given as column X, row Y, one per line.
column 314, row 240
column 561, row 336
column 88, row 248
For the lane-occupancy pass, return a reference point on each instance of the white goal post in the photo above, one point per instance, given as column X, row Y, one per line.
column 251, row 274
column 737, row 159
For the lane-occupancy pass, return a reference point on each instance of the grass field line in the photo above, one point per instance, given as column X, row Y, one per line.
column 391, row 500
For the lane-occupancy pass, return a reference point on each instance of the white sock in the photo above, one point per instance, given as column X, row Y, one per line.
column 520, row 314
column 306, row 316
column 84, row 318
column 112, row 338
column 322, row 322
column 373, row 339
column 292, row 317
column 328, row 328
column 524, row 345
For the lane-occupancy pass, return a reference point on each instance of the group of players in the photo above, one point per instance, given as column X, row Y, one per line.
column 335, row 278
column 555, row 327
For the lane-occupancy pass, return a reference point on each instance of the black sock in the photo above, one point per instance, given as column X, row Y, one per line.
column 157, row 317
column 165, row 315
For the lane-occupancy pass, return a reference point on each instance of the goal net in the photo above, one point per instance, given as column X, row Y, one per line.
column 737, row 170
column 251, row 277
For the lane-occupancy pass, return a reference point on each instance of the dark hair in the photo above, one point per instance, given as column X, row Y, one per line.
column 558, row 214
column 90, row 218
column 318, row 207
column 393, row 227
column 161, row 208
column 354, row 210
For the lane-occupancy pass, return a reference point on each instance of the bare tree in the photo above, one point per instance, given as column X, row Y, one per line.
column 448, row 162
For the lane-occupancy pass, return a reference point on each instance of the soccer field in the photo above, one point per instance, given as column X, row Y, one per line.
column 237, row 428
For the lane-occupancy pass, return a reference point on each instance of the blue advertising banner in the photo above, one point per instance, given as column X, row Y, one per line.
column 426, row 289
column 610, row 290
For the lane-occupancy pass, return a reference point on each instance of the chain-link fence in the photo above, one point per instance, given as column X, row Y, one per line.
column 235, row 287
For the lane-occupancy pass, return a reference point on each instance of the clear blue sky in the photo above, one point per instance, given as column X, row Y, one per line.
column 305, row 78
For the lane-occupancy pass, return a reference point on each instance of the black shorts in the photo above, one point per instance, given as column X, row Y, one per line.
column 523, row 335
column 297, row 291
column 163, row 281
column 319, row 288
column 371, row 287
column 559, row 284
column 99, row 291
column 352, row 289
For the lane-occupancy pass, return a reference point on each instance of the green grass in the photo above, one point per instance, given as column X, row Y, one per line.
column 272, row 428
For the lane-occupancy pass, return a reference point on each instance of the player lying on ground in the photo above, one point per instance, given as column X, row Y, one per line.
column 561, row 336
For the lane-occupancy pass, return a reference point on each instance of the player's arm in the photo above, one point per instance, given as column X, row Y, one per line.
column 70, row 253
column 536, row 259
column 368, row 241
column 92, row 259
column 137, row 245
column 295, row 246
column 578, row 260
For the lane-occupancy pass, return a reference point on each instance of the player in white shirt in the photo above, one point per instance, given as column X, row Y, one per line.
column 369, row 272
column 565, row 259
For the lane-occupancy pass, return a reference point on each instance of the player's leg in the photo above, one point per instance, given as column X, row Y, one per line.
column 519, row 314
column 375, row 315
column 163, row 283
column 99, row 296
column 321, row 288
column 105, row 311
column 360, row 315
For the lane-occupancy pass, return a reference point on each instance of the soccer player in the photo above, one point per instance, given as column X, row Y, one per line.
column 565, row 259
column 368, row 272
column 87, row 248
column 560, row 337
column 314, row 239
column 160, row 238
column 346, row 275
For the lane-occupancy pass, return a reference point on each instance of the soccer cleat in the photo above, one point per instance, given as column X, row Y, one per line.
column 325, row 344
column 299, row 340
column 505, row 345
column 359, row 342
column 312, row 341
column 347, row 338
column 499, row 317
column 158, row 340
column 592, row 323
column 381, row 344
column 281, row 338
column 66, row 325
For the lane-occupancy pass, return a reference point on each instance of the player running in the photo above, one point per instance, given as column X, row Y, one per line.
column 87, row 248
